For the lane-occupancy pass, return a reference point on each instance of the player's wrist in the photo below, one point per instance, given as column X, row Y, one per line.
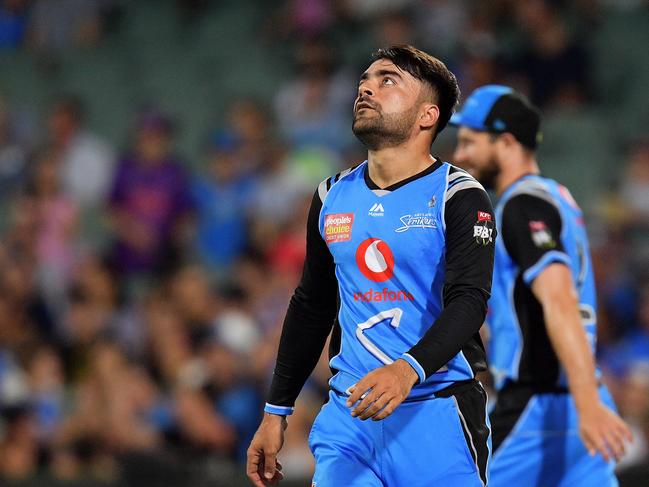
column 278, row 410
column 272, row 418
column 407, row 371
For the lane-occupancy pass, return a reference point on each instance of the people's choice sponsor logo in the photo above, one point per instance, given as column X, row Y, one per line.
column 338, row 227
column 418, row 220
column 375, row 259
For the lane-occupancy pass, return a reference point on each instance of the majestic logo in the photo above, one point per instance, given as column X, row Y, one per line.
column 376, row 210
column 418, row 220
column 338, row 227
column 384, row 295
column 483, row 228
column 375, row 259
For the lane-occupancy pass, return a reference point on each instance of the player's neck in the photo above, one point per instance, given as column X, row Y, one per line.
column 514, row 173
column 394, row 164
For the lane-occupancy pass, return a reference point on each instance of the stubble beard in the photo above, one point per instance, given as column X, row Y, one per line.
column 383, row 131
column 488, row 175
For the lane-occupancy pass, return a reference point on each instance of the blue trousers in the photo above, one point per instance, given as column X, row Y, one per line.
column 542, row 447
column 439, row 441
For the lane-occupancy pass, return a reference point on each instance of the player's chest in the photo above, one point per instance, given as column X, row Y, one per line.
column 371, row 231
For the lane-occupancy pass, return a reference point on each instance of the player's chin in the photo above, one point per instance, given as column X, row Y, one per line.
column 362, row 124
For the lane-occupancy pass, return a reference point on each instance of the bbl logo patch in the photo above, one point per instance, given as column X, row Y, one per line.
column 541, row 235
column 483, row 228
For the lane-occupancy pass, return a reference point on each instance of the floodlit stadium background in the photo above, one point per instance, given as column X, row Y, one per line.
column 148, row 367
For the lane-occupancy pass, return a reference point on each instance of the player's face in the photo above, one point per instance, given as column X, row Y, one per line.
column 476, row 153
column 386, row 106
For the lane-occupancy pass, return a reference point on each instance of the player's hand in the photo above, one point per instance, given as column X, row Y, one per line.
column 603, row 431
column 262, row 467
column 382, row 390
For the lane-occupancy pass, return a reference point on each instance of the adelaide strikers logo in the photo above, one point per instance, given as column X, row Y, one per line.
column 375, row 259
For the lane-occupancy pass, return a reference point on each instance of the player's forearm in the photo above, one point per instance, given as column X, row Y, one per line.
column 570, row 343
column 303, row 337
column 460, row 320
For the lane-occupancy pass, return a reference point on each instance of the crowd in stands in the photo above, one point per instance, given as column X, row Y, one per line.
column 142, row 293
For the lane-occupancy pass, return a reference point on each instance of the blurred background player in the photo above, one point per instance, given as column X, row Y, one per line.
column 394, row 264
column 542, row 314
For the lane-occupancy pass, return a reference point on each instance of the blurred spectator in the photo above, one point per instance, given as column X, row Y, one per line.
column 371, row 8
column 634, row 188
column 278, row 192
column 13, row 157
column 56, row 219
column 248, row 126
column 633, row 402
column 149, row 201
column 395, row 28
column 87, row 162
column 13, row 22
column 309, row 18
column 223, row 196
column 442, row 24
column 314, row 108
column 18, row 447
column 550, row 48
column 47, row 386
column 59, row 24
column 632, row 348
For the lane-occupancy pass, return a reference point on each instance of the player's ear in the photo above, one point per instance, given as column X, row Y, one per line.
column 507, row 139
column 429, row 115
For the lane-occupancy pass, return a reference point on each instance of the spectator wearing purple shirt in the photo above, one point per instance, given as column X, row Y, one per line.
column 149, row 201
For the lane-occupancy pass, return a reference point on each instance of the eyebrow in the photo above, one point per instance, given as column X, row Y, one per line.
column 382, row 72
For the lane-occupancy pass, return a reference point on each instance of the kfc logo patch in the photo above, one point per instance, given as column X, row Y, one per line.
column 484, row 228
column 338, row 227
column 483, row 216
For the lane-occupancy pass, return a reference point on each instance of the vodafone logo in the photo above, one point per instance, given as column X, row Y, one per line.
column 375, row 259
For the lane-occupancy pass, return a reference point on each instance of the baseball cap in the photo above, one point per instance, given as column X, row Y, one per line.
column 499, row 109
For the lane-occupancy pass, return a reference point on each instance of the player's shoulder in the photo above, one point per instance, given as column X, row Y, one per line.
column 458, row 181
column 327, row 184
column 531, row 190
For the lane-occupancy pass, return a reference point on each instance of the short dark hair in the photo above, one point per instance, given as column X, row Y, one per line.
column 430, row 70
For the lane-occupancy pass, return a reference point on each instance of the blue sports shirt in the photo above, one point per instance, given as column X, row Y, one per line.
column 539, row 224
column 397, row 273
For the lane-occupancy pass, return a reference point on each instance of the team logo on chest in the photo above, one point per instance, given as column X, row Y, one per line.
column 416, row 220
column 375, row 259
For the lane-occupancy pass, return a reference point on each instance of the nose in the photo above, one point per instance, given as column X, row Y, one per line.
column 365, row 90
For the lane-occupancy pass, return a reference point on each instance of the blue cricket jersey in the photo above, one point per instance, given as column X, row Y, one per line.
column 401, row 272
column 539, row 223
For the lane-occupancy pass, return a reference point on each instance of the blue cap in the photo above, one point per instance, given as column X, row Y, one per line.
column 478, row 106
column 499, row 109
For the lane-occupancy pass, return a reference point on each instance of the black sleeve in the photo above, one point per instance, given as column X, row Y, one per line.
column 470, row 237
column 531, row 232
column 309, row 318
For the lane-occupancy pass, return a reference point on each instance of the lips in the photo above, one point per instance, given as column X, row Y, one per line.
column 364, row 104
